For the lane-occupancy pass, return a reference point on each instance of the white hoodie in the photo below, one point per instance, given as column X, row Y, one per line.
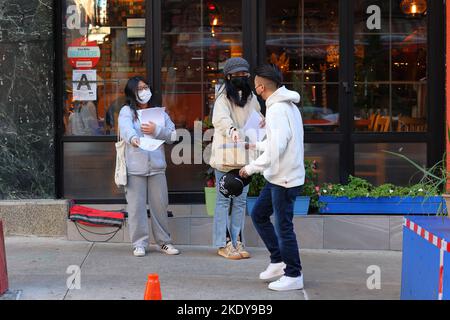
column 283, row 152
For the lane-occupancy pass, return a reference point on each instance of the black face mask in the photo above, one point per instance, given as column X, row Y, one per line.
column 240, row 82
column 238, row 90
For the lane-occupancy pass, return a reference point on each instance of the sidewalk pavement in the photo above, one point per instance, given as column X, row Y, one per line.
column 37, row 269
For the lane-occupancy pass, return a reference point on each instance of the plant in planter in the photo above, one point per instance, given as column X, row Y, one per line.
column 256, row 185
column 210, row 192
column 361, row 197
column 434, row 178
column 210, row 184
column 311, row 187
column 302, row 203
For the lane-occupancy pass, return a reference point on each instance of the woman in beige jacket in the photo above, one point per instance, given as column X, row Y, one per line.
column 233, row 107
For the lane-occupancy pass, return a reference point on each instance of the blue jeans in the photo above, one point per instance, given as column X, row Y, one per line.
column 280, row 240
column 223, row 222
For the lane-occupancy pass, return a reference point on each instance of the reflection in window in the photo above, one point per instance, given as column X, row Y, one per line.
column 391, row 68
column 327, row 158
column 113, row 31
column 303, row 40
column 198, row 37
column 375, row 165
column 88, row 179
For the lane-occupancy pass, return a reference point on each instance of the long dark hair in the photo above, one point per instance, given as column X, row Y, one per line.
column 131, row 90
column 233, row 93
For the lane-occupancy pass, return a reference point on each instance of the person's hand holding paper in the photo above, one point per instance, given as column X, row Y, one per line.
column 150, row 118
column 148, row 129
column 149, row 144
column 254, row 128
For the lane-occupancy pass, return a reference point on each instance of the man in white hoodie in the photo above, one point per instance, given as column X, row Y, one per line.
column 282, row 163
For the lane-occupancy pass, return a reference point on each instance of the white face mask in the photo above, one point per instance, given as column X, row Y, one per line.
column 144, row 96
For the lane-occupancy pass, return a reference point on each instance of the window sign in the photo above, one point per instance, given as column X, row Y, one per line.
column 85, row 85
column 83, row 54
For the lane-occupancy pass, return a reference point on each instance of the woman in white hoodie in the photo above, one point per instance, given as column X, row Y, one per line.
column 283, row 168
column 233, row 107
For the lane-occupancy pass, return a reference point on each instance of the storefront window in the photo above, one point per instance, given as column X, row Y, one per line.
column 377, row 166
column 104, row 43
column 303, row 40
column 390, row 67
column 327, row 158
column 197, row 38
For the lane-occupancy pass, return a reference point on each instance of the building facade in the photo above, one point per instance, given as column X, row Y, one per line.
column 64, row 65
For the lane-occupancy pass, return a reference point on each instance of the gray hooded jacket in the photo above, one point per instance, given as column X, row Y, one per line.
column 141, row 162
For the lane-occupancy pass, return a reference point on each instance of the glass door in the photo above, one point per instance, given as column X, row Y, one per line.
column 303, row 39
column 197, row 38
column 390, row 66
column 390, row 87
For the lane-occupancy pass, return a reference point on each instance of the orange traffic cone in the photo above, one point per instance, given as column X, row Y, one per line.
column 153, row 288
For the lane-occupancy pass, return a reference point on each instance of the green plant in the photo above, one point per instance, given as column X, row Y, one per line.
column 210, row 178
column 311, row 186
column 360, row 188
column 256, row 185
column 386, row 190
column 356, row 187
column 434, row 179
column 207, row 124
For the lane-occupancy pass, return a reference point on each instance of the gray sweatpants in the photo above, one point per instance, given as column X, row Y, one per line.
column 139, row 192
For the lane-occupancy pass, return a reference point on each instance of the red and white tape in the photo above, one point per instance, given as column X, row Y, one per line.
column 431, row 238
column 440, row 243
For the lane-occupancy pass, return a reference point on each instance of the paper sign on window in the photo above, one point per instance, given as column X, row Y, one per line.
column 84, row 85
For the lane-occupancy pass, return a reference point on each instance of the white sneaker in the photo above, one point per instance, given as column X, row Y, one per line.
column 139, row 252
column 169, row 249
column 274, row 270
column 287, row 284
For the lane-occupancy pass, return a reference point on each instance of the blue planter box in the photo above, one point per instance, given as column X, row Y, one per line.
column 426, row 259
column 383, row 205
column 301, row 205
